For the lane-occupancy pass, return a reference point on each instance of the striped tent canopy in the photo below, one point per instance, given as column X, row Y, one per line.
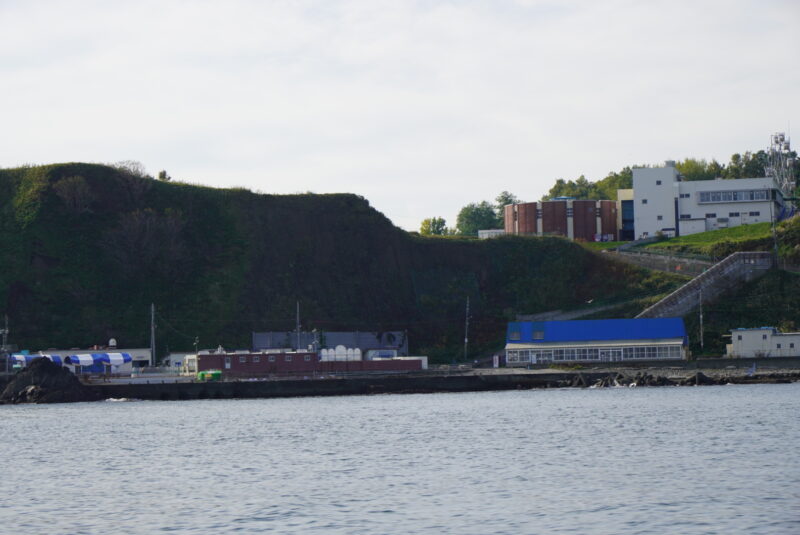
column 111, row 359
column 80, row 360
column 115, row 359
column 19, row 358
column 24, row 360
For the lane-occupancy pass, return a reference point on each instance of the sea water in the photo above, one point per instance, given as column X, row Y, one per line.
column 721, row 459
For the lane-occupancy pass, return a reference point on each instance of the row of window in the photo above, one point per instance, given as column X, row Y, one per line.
column 732, row 196
column 713, row 215
column 270, row 358
column 727, row 196
column 514, row 356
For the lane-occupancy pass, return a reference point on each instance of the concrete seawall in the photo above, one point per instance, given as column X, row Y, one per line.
column 342, row 387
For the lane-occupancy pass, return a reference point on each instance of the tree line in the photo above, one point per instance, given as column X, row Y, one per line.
column 471, row 218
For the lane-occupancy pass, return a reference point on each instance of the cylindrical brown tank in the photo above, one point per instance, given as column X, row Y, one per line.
column 584, row 220
column 554, row 217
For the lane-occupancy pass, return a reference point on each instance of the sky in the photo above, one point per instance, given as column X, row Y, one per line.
column 421, row 107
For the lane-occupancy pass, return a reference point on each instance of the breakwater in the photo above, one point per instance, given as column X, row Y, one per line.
column 469, row 382
column 345, row 386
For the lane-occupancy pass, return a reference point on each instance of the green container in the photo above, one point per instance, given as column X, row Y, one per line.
column 209, row 375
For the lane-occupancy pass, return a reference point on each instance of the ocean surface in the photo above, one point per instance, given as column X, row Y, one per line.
column 686, row 460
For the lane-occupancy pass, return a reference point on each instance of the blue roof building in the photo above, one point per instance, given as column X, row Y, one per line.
column 535, row 342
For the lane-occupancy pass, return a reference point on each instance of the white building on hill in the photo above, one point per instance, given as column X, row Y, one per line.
column 666, row 204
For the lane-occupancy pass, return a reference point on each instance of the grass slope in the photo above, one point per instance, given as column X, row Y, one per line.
column 86, row 248
column 756, row 237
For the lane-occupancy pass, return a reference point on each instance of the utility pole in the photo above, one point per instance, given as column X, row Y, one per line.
column 152, row 334
column 701, row 320
column 297, row 348
column 4, row 349
column 774, row 232
column 466, row 331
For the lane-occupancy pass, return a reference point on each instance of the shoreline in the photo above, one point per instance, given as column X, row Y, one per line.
column 174, row 388
column 467, row 382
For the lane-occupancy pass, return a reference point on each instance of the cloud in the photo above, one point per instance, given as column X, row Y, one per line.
column 421, row 107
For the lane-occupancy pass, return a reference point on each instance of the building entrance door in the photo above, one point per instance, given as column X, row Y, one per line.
column 227, row 363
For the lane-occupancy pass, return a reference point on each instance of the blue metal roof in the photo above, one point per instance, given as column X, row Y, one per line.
column 522, row 332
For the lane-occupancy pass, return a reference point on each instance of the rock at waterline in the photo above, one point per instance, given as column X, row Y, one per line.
column 43, row 381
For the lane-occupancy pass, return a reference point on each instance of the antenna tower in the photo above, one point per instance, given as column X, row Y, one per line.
column 780, row 163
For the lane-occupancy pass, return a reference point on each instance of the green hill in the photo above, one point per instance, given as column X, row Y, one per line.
column 756, row 237
column 86, row 248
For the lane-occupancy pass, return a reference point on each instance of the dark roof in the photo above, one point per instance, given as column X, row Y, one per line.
column 330, row 339
column 594, row 330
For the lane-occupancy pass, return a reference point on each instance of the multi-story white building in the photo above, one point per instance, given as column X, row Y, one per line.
column 763, row 342
column 664, row 203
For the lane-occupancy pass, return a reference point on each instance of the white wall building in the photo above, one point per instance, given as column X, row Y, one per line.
column 664, row 203
column 491, row 233
column 763, row 342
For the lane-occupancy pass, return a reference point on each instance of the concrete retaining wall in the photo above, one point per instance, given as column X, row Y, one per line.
column 670, row 264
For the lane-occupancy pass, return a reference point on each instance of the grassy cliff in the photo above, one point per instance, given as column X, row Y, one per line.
column 86, row 248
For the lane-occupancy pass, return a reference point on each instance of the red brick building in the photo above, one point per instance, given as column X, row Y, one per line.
column 571, row 218
column 296, row 363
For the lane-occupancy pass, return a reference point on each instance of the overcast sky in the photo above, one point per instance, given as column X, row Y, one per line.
column 421, row 107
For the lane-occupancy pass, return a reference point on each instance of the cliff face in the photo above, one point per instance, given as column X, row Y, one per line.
column 86, row 248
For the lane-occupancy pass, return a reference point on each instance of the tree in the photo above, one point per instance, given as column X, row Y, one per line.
column 476, row 216
column 132, row 167
column 694, row 169
column 433, row 226
column 747, row 165
column 501, row 201
column 75, row 193
column 162, row 175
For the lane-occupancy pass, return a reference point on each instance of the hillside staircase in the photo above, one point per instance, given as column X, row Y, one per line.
column 730, row 272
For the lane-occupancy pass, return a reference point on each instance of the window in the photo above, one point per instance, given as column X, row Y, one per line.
column 791, row 346
column 686, row 216
column 272, row 358
column 514, row 335
column 685, row 195
column 778, row 346
column 755, row 214
column 658, row 182
column 733, row 196
column 661, row 217
column 288, row 358
column 256, row 358
column 538, row 335
column 733, row 214
column 739, row 337
column 644, row 201
column 710, row 216
column 307, row 358
column 763, row 336
column 243, row 358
